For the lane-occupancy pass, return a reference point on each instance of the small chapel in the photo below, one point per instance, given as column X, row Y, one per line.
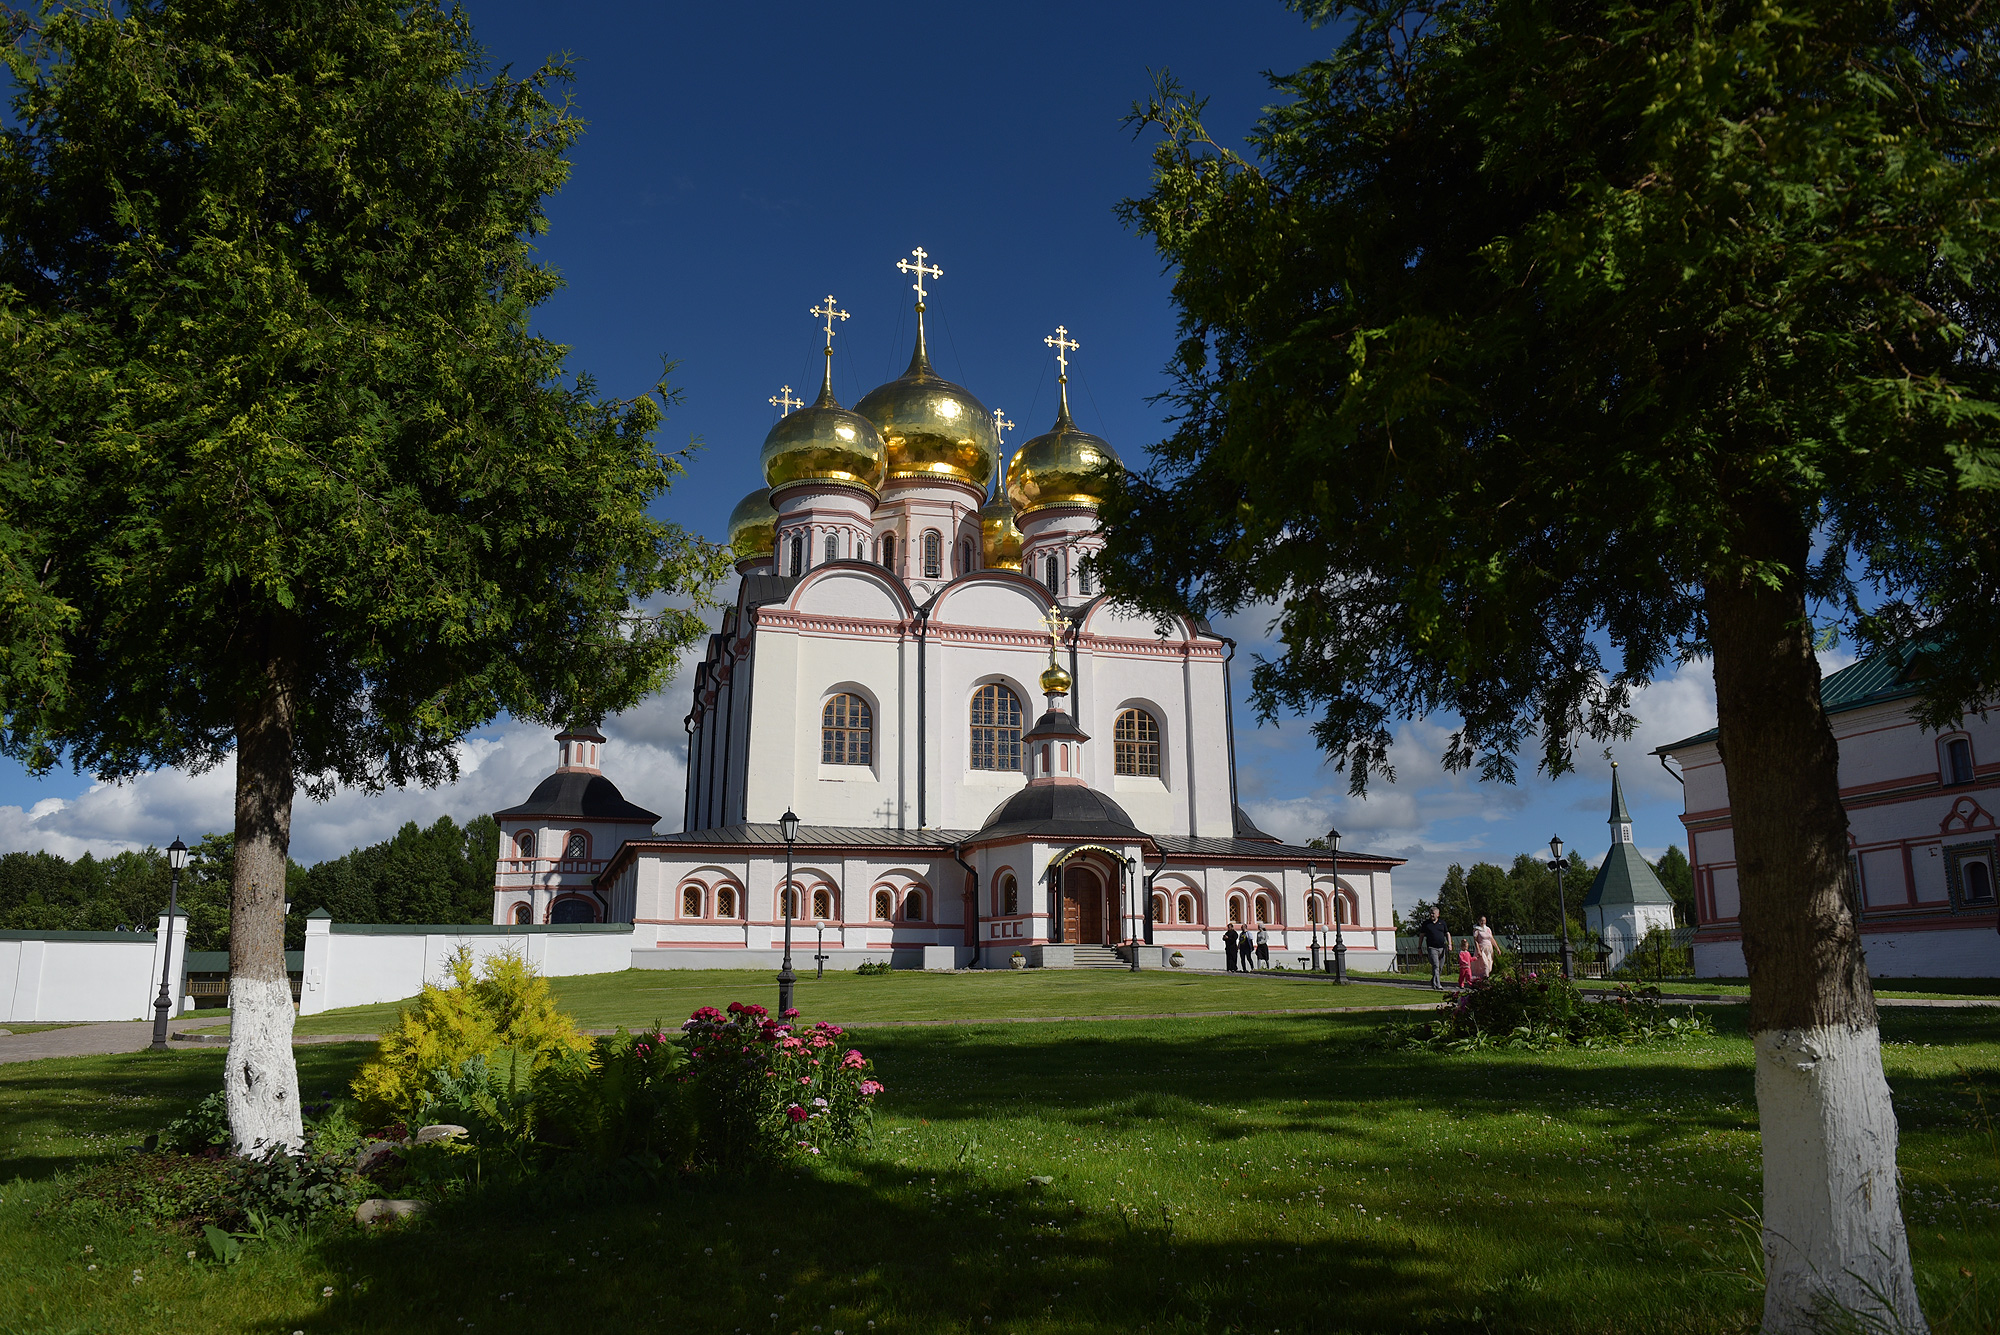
column 989, row 764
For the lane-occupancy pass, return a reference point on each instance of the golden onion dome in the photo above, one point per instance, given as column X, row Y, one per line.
column 1055, row 681
column 824, row 442
column 934, row 429
column 1059, row 468
column 999, row 539
column 753, row 527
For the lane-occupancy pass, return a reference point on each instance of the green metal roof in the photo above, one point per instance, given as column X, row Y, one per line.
column 1873, row 680
column 1625, row 878
column 1619, row 815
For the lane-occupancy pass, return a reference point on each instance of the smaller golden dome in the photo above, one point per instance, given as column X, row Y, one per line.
column 753, row 527
column 1059, row 468
column 999, row 539
column 934, row 430
column 824, row 442
column 1055, row 681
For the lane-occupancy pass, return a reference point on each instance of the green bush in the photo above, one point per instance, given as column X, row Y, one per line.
column 204, row 1126
column 1530, row 1009
column 624, row 1100
column 297, row 1188
column 867, row 967
column 1655, row 958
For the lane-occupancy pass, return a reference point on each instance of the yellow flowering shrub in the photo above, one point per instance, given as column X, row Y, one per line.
column 505, row 1005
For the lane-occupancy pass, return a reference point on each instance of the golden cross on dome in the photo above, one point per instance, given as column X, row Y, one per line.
column 921, row 270
column 832, row 313
column 1062, row 343
column 1057, row 624
column 785, row 403
column 1001, row 426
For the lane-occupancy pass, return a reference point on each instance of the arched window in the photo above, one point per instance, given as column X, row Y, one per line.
column 691, row 902
column 1344, row 908
column 996, row 728
column 1010, row 894
column 1263, row 910
column 725, row 902
column 1978, row 883
column 1236, row 909
column 933, row 554
column 885, row 906
column 822, row 903
column 1052, row 574
column 577, row 909
column 1135, row 744
column 789, row 904
column 523, row 915
column 846, row 731
column 1085, row 583
column 965, row 557
column 577, row 846
column 913, row 906
column 1159, row 908
column 524, row 843
column 833, row 547
column 798, row 553
column 1186, row 908
column 889, row 552
column 1958, row 760
column 1312, row 908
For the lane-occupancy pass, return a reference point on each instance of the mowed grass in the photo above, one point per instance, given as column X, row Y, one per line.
column 642, row 996
column 1252, row 1174
column 1931, row 989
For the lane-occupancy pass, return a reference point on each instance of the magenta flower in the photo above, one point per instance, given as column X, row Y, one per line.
column 871, row 1086
column 796, row 1113
column 792, row 1014
column 853, row 1061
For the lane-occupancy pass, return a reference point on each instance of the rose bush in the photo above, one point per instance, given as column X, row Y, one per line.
column 764, row 1091
column 1526, row 1008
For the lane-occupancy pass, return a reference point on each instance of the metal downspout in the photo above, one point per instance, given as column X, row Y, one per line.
column 687, row 785
column 972, row 903
column 1229, row 723
column 749, row 709
column 923, row 713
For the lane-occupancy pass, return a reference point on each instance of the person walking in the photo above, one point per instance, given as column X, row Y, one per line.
column 1263, row 949
column 1483, row 950
column 1229, row 946
column 1435, row 940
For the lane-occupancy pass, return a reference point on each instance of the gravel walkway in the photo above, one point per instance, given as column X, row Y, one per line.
column 88, row 1040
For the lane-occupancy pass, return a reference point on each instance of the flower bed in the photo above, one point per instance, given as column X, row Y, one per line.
column 1526, row 1008
column 764, row 1092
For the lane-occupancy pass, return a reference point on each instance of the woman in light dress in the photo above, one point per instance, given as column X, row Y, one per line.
column 1483, row 948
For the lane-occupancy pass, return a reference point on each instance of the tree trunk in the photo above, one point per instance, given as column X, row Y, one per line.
column 1833, row 1224
column 260, row 1079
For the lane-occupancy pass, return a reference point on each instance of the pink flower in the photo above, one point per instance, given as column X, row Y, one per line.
column 853, row 1061
column 805, row 1080
column 871, row 1086
column 792, row 1013
column 796, row 1113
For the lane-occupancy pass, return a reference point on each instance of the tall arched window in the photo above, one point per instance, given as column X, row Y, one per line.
column 1159, row 908
column 996, row 728
column 885, row 906
column 933, row 554
column 1052, row 574
column 1343, row 909
column 788, row 903
column 1185, row 909
column 725, row 902
column 1978, row 883
column 833, row 546
column 846, row 731
column 1958, row 760
column 1135, row 744
column 1312, row 908
column 798, row 553
column 822, row 903
column 1010, row 894
column 965, row 557
column 1236, row 909
column 1263, row 910
column 889, row 552
column 1086, row 584
column 523, row 915
column 524, row 843
column 913, row 906
column 691, row 902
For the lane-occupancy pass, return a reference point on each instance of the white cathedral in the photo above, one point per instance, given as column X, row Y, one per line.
column 879, row 676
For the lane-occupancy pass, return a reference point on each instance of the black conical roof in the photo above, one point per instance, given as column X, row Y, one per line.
column 576, row 793
column 1060, row 811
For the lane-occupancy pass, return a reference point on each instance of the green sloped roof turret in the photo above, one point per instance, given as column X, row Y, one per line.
column 1619, row 815
column 1625, row 877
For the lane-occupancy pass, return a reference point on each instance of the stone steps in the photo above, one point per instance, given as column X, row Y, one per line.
column 1098, row 957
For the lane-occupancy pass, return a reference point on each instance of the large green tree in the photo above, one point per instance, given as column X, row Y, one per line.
column 287, row 474
column 1535, row 346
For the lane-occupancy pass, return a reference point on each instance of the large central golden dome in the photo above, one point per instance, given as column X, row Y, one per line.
column 824, row 443
column 753, row 527
column 933, row 429
column 1059, row 468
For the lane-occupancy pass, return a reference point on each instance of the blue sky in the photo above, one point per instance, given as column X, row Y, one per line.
column 744, row 161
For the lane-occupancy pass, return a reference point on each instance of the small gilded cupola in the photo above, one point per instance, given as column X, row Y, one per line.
column 1054, row 746
column 824, row 466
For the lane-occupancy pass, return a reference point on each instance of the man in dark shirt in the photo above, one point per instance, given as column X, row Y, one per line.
column 1229, row 946
column 1436, row 939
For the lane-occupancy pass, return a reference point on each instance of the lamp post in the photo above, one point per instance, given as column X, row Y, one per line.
column 1127, row 880
column 789, row 823
column 819, row 952
column 177, row 856
column 1339, row 941
column 1562, row 908
column 1312, row 910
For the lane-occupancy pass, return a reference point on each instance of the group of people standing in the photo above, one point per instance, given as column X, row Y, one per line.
column 1474, row 962
column 1253, row 951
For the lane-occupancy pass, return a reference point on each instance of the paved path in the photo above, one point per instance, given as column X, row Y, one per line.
column 87, row 1040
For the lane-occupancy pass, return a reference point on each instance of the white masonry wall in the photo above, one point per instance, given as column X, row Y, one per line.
column 364, row 964
column 53, row 977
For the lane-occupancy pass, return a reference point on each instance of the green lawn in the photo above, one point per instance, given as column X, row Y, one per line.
column 642, row 996
column 1952, row 989
column 1257, row 1174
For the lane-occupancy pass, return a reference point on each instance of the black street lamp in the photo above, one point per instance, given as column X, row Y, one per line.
column 1556, row 865
column 1130, row 896
column 1312, row 909
column 1339, row 941
column 789, row 823
column 177, row 857
column 819, row 952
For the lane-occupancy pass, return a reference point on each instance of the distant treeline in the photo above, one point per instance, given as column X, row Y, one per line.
column 1524, row 894
column 442, row 874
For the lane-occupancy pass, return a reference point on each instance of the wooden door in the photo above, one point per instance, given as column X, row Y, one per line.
column 1084, row 899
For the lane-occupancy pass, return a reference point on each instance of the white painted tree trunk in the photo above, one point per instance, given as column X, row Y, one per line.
column 260, row 1081
column 1833, row 1226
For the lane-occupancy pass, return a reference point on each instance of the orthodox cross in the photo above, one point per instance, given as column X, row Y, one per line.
column 1063, row 344
column 1057, row 625
column 785, row 403
column 832, row 313
column 1001, row 426
column 921, row 270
